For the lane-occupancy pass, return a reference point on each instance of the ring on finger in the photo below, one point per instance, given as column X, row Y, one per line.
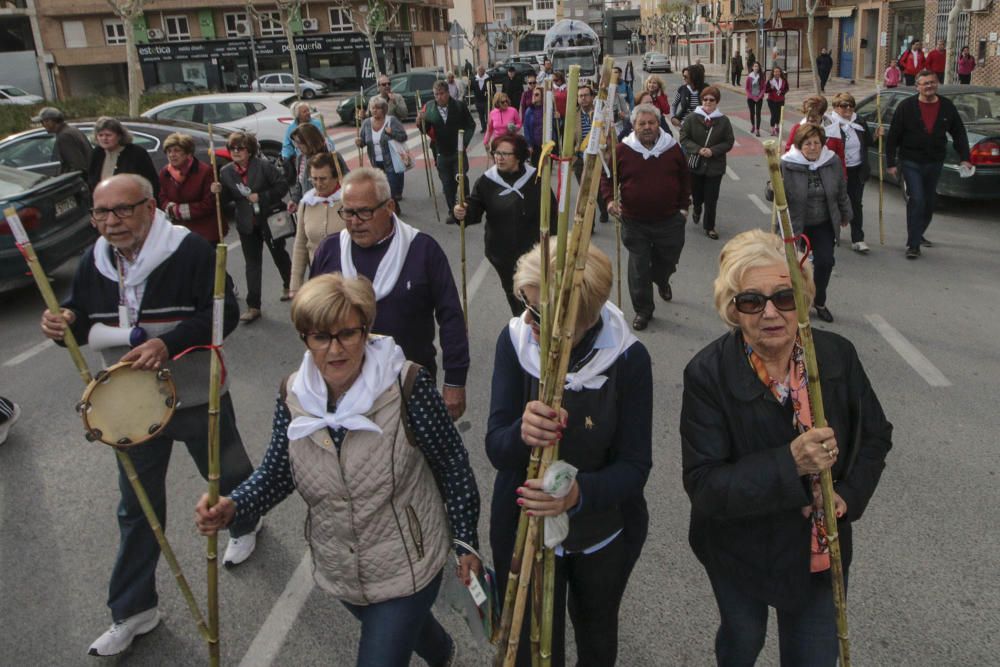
column 832, row 454
column 825, row 447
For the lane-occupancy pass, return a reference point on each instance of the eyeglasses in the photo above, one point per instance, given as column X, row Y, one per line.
column 751, row 303
column 321, row 340
column 845, row 105
column 236, row 149
column 709, row 99
column 531, row 83
column 505, row 102
column 122, row 211
column 536, row 316
column 362, row 214
column 502, row 154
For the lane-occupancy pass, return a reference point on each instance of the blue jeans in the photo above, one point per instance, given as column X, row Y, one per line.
column 393, row 630
column 921, row 185
column 806, row 636
column 133, row 580
column 395, row 179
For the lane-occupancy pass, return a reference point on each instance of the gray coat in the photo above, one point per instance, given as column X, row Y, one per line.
column 693, row 134
column 796, row 178
column 392, row 130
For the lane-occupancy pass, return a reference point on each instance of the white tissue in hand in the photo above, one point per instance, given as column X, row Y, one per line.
column 557, row 482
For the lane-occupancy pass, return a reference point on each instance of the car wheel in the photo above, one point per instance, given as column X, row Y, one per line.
column 308, row 94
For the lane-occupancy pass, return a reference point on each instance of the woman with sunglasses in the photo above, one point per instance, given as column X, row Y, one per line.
column 509, row 195
column 708, row 134
column 817, row 203
column 364, row 436
column 504, row 119
column 605, row 430
column 849, row 137
column 751, row 460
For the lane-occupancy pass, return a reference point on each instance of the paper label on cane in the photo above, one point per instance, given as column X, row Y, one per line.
column 218, row 312
column 461, row 140
column 476, row 590
column 547, row 118
column 14, row 222
column 563, row 186
column 594, row 139
column 123, row 317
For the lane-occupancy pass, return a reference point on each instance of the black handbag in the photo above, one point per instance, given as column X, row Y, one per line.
column 694, row 160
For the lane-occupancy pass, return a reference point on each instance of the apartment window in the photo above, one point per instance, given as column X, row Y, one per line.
column 544, row 4
column 232, row 23
column 74, row 35
column 545, row 24
column 785, row 5
column 114, row 32
column 177, row 28
column 340, row 20
column 270, row 24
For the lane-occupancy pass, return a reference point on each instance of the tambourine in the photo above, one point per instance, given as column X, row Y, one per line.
column 123, row 407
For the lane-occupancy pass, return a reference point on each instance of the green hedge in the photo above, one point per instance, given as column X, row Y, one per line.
column 16, row 118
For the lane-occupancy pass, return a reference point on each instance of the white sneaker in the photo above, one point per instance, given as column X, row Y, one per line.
column 861, row 247
column 11, row 420
column 240, row 548
column 120, row 635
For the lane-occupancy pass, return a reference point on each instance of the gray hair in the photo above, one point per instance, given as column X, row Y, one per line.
column 371, row 175
column 441, row 85
column 377, row 102
column 114, row 125
column 644, row 109
column 297, row 106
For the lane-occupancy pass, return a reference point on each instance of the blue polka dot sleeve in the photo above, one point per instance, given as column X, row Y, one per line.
column 442, row 446
column 272, row 481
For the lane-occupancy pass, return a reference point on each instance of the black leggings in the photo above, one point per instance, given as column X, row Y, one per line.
column 775, row 108
column 705, row 193
column 755, row 107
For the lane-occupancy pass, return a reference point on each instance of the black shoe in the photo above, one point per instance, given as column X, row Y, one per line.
column 926, row 242
column 912, row 253
column 666, row 293
column 712, row 234
column 604, row 218
column 696, row 217
column 823, row 313
column 640, row 322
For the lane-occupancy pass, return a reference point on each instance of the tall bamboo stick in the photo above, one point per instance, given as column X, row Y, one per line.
column 616, row 188
column 426, row 151
column 461, row 223
column 570, row 126
column 359, row 111
column 881, row 165
column 49, row 297
column 774, row 205
column 815, row 399
column 545, row 217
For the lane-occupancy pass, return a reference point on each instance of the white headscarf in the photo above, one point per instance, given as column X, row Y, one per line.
column 795, row 156
column 701, row 112
column 493, row 174
column 389, row 268
column 310, row 198
column 664, row 143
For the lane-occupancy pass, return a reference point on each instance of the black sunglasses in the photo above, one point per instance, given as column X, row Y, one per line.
column 751, row 303
column 536, row 316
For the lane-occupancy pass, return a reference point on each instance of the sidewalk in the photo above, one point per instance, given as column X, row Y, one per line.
column 718, row 75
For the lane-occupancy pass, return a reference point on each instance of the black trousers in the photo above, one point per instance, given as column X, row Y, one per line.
column 481, row 107
column 822, row 239
column 856, row 193
column 823, row 78
column 505, row 266
column 654, row 248
column 253, row 254
column 734, row 77
column 965, row 79
column 775, row 108
column 447, row 167
column 755, row 107
column 910, row 79
column 705, row 196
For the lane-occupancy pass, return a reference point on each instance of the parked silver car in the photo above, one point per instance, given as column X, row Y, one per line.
column 283, row 82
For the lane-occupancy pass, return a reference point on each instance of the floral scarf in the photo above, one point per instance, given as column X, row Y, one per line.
column 795, row 389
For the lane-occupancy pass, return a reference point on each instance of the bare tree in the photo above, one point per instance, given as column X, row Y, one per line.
column 679, row 19
column 951, row 39
column 287, row 9
column 811, row 6
column 715, row 18
column 474, row 42
column 370, row 18
column 129, row 11
column 514, row 32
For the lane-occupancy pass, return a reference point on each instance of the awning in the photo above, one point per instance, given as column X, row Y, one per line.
column 840, row 12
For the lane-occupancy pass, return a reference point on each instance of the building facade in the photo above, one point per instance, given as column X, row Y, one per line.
column 222, row 48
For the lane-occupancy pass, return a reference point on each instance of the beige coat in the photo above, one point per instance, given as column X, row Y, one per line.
column 376, row 523
column 314, row 224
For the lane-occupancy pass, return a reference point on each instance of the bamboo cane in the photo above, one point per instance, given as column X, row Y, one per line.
column 461, row 223
column 881, row 165
column 570, row 126
column 815, row 399
column 425, row 150
column 616, row 188
column 359, row 111
column 52, row 304
column 774, row 204
column 545, row 219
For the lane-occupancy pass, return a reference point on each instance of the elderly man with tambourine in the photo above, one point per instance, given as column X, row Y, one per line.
column 143, row 297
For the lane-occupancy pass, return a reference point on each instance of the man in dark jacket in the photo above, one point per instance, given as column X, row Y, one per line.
column 147, row 288
column 481, row 94
column 736, row 69
column 824, row 65
column 441, row 120
column 917, row 133
column 71, row 148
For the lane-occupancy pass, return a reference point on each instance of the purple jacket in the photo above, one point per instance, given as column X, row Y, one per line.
column 425, row 290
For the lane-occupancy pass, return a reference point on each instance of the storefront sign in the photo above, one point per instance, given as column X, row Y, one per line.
column 269, row 46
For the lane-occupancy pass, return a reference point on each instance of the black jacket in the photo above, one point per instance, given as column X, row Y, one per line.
column 824, row 64
column 746, row 494
column 264, row 179
column 133, row 160
column 908, row 136
column 444, row 133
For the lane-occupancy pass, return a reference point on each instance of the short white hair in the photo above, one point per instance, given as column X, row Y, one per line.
column 644, row 109
column 371, row 175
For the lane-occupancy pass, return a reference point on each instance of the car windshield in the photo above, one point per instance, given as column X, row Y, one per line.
column 978, row 107
column 584, row 60
column 13, row 91
column 15, row 181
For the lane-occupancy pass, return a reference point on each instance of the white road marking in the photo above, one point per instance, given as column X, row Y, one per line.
column 910, row 354
column 759, row 203
column 732, row 174
column 271, row 636
column 29, row 353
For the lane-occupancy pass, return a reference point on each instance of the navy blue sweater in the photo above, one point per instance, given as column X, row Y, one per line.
column 424, row 291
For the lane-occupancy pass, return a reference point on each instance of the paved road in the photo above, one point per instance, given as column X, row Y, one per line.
column 923, row 586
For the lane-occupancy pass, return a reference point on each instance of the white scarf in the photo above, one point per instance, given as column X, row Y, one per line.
column 708, row 116
column 493, row 174
column 835, row 118
column 776, row 84
column 381, row 366
column 614, row 338
column 753, row 76
column 161, row 242
column 663, row 144
column 310, row 198
column 388, row 269
column 795, row 156
column 481, row 80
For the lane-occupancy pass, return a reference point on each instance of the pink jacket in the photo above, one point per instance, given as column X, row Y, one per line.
column 499, row 120
column 748, row 86
column 966, row 64
column 892, row 77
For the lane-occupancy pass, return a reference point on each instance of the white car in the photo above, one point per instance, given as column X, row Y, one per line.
column 658, row 63
column 14, row 95
column 283, row 82
column 267, row 115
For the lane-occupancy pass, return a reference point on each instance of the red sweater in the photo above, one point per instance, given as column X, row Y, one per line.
column 776, row 95
column 935, row 62
column 191, row 203
column 911, row 68
column 653, row 189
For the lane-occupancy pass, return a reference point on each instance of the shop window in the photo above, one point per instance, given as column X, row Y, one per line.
column 544, row 4
column 114, row 32
column 270, row 24
column 177, row 28
column 233, row 22
column 340, row 20
column 74, row 35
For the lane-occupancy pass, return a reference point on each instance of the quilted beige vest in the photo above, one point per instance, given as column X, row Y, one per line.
column 376, row 523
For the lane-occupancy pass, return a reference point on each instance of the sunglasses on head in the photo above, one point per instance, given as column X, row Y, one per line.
column 751, row 303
